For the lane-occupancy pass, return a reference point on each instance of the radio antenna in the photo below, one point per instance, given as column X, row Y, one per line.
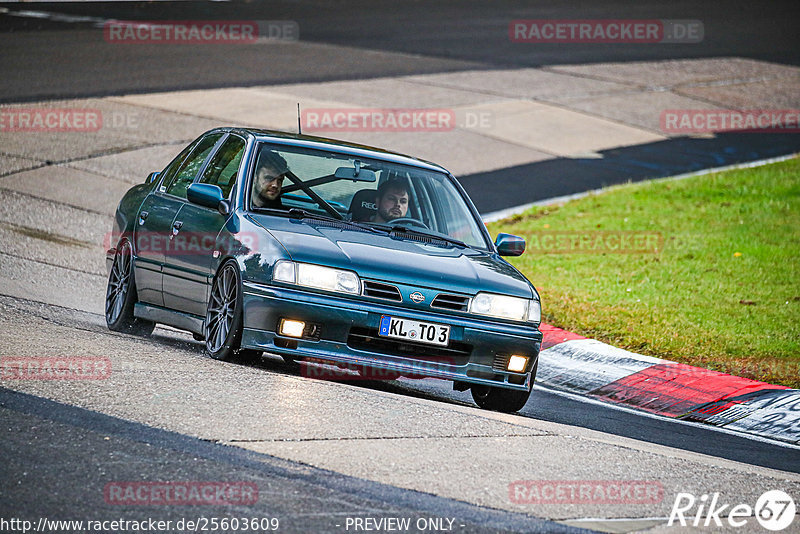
column 299, row 130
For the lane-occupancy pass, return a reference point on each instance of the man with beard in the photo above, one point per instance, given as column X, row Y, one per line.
column 268, row 180
column 392, row 201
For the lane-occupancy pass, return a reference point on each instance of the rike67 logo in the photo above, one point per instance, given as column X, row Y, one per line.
column 774, row 510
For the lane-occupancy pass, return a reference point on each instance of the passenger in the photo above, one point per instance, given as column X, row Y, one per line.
column 268, row 180
column 392, row 201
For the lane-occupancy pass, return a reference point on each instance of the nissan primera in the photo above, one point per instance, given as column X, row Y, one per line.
column 260, row 241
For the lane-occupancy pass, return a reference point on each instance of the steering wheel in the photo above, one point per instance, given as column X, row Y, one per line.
column 408, row 220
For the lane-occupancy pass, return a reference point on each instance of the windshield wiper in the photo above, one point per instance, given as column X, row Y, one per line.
column 299, row 213
column 400, row 229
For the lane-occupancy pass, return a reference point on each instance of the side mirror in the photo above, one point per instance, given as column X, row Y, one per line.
column 509, row 245
column 224, row 208
column 207, row 195
column 152, row 177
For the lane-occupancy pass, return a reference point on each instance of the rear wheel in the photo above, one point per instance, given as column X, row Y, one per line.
column 121, row 295
column 223, row 325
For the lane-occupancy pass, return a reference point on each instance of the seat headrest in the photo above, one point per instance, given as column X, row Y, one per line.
column 363, row 206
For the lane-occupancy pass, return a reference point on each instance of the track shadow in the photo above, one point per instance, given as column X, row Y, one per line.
column 513, row 186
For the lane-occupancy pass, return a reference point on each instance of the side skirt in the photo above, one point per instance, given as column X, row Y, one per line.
column 184, row 321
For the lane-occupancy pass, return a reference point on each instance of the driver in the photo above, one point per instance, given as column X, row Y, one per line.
column 268, row 180
column 392, row 201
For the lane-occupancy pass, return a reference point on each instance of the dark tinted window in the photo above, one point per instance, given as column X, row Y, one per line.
column 172, row 168
column 191, row 165
column 224, row 166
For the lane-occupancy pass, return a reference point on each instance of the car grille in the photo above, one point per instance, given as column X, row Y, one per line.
column 367, row 339
column 450, row 302
column 379, row 290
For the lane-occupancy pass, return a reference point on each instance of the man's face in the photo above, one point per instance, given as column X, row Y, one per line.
column 268, row 184
column 393, row 204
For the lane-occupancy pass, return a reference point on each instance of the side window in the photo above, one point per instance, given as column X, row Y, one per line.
column 191, row 165
column 172, row 168
column 224, row 165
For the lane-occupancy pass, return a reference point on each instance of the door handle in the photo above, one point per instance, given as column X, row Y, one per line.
column 143, row 216
column 176, row 227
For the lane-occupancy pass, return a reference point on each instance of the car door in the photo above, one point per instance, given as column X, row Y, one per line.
column 189, row 262
column 155, row 213
column 153, row 231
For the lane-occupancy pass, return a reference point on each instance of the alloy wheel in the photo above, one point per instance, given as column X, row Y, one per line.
column 221, row 309
column 119, row 283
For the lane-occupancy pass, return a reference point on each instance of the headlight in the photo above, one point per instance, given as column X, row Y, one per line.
column 317, row 276
column 501, row 306
column 505, row 307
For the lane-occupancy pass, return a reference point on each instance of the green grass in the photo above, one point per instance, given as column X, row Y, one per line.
column 722, row 291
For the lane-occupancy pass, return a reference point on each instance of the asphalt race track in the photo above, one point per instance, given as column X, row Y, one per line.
column 322, row 452
column 431, row 37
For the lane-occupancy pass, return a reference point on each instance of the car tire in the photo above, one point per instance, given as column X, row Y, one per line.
column 502, row 399
column 224, row 317
column 121, row 295
column 249, row 356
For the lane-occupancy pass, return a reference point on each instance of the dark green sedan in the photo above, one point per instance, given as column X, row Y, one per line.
column 314, row 249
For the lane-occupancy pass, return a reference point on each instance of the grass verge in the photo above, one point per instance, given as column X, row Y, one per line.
column 710, row 275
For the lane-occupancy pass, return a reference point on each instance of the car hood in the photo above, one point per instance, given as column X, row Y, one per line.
column 395, row 259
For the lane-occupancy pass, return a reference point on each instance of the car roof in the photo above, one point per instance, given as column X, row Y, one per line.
column 324, row 143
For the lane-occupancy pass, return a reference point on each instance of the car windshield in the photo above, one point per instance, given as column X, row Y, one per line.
column 363, row 190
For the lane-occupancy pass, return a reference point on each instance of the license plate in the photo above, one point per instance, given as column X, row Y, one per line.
column 395, row 327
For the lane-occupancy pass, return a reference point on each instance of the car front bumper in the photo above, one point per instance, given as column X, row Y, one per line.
column 345, row 333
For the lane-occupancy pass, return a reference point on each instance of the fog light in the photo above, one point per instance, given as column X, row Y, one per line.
column 517, row 364
column 291, row 328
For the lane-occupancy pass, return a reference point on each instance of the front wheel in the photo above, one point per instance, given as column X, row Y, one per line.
column 121, row 296
column 501, row 399
column 223, row 325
